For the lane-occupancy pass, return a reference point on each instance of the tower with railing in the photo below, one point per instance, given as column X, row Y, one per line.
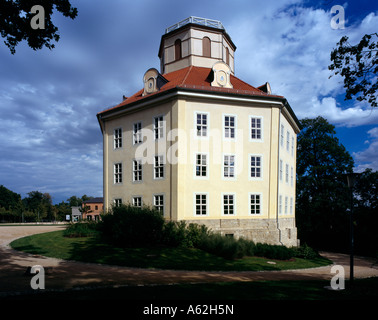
column 195, row 42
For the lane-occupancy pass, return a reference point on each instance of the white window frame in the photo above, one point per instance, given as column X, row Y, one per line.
column 136, row 170
column 201, row 165
column 117, row 202
column 280, row 173
column 159, row 127
column 228, row 194
column 159, row 167
column 137, row 133
column 291, row 176
column 117, row 138
column 255, row 167
column 261, row 139
column 228, row 166
column 286, row 204
column 136, row 200
column 228, row 128
column 201, row 194
column 288, row 141
column 291, row 205
column 117, row 173
column 159, row 203
column 282, row 135
column 292, row 146
column 259, row 194
column 201, row 125
column 280, row 204
column 287, row 173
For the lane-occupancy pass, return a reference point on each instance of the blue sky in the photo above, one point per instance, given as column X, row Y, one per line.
column 50, row 137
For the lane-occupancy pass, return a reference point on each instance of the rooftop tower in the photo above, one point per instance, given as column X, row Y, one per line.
column 196, row 42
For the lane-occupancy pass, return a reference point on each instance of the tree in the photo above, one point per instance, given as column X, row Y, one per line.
column 16, row 17
column 40, row 204
column 358, row 65
column 322, row 197
column 74, row 201
column 366, row 213
column 8, row 198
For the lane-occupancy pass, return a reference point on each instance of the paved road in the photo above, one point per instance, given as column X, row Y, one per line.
column 62, row 274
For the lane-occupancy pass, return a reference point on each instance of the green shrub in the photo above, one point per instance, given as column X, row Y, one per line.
column 305, row 252
column 127, row 225
column 226, row 247
column 81, row 229
column 273, row 251
column 173, row 234
column 246, row 246
column 179, row 234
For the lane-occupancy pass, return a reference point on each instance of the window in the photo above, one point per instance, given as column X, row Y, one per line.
column 280, row 170
column 201, row 204
column 291, row 205
column 256, row 133
column 291, row 176
column 287, row 141
column 117, row 202
column 159, row 167
column 96, row 207
column 206, row 47
column 287, row 173
column 229, row 166
column 292, row 146
column 285, row 205
column 159, row 202
column 228, row 204
column 137, row 202
column 255, row 167
column 282, row 135
column 178, row 49
column 255, row 202
column 227, row 56
column 137, row 170
column 201, row 165
column 118, row 173
column 117, row 138
column 280, row 204
column 201, row 124
column 137, row 133
column 229, row 127
column 158, row 127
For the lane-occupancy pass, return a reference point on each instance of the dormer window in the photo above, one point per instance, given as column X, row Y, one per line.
column 206, row 47
column 153, row 81
column 178, row 49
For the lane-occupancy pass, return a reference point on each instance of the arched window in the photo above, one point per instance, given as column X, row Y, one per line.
column 206, row 47
column 178, row 49
column 227, row 56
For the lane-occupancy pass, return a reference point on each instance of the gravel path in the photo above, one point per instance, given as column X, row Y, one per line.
column 62, row 274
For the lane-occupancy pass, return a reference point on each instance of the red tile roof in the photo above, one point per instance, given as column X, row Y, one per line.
column 196, row 78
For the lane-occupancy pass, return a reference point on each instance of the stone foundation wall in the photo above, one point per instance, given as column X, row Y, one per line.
column 269, row 231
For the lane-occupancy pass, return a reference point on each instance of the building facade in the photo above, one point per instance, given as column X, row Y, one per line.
column 201, row 145
column 92, row 209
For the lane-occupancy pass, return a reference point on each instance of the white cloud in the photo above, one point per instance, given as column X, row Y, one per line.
column 49, row 99
column 291, row 50
column 368, row 158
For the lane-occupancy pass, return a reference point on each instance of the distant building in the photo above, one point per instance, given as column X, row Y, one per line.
column 93, row 208
column 201, row 145
column 76, row 214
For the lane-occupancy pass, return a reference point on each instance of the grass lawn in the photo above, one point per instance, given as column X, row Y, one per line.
column 364, row 290
column 91, row 249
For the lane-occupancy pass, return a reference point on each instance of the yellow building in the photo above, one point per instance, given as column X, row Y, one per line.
column 202, row 145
